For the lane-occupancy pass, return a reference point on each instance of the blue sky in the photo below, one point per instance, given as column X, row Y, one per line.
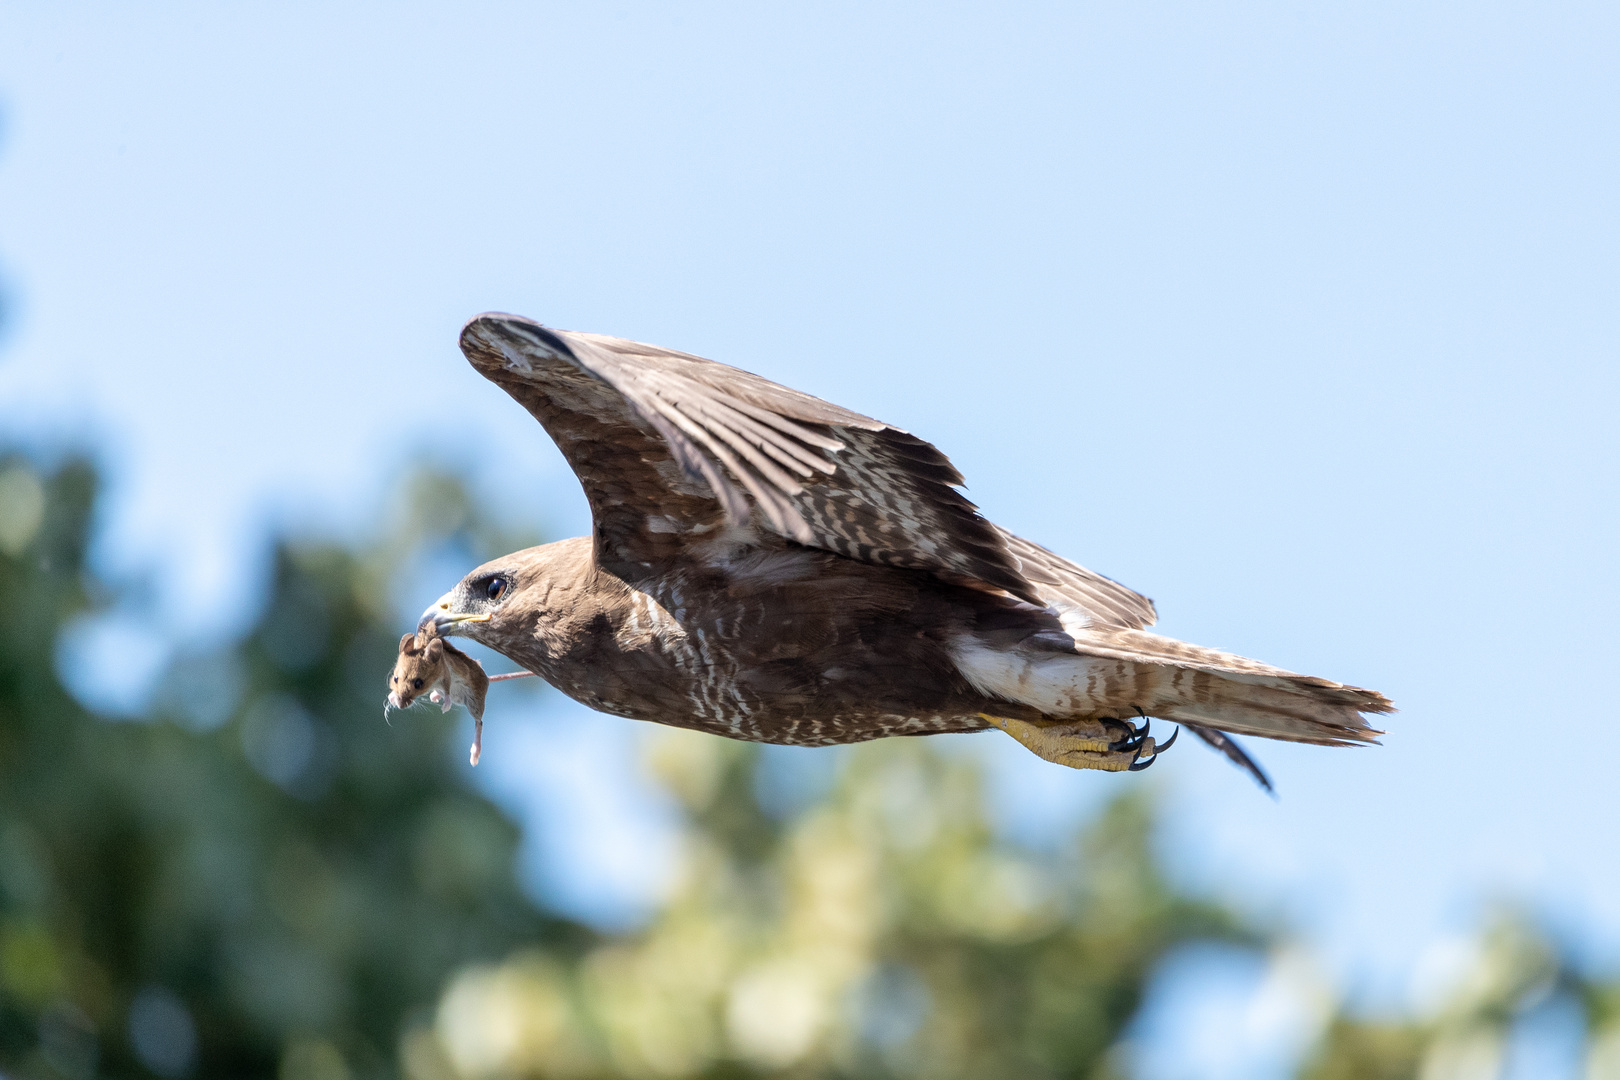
column 1300, row 319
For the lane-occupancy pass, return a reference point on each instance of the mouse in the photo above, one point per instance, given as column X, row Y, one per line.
column 432, row 667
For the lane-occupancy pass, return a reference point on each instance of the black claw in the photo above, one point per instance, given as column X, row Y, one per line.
column 1138, row 766
column 1134, row 740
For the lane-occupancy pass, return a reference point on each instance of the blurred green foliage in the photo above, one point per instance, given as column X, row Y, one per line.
column 262, row 868
column 1513, row 978
column 260, row 878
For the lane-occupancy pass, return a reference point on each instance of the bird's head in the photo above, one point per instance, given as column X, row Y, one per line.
column 481, row 606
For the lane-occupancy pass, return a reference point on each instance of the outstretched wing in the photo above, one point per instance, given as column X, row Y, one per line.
column 671, row 448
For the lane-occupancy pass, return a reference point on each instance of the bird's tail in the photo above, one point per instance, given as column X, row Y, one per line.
column 1208, row 688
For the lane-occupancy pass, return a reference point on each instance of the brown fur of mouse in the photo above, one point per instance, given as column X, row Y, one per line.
column 429, row 665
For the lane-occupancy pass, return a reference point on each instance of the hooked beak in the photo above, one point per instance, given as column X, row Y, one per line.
column 442, row 622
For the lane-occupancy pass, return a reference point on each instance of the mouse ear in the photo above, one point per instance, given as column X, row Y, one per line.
column 406, row 642
column 434, row 650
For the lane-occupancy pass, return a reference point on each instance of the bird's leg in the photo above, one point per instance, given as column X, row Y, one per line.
column 1105, row 743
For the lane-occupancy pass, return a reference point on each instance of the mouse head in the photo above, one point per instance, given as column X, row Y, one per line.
column 417, row 670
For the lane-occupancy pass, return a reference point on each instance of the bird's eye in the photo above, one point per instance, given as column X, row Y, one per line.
column 416, row 684
column 495, row 587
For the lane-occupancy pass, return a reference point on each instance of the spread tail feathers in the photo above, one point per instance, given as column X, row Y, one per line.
column 1207, row 688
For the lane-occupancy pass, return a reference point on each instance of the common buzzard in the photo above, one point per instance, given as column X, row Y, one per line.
column 767, row 566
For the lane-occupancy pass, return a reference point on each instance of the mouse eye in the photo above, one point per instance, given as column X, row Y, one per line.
column 495, row 587
column 416, row 684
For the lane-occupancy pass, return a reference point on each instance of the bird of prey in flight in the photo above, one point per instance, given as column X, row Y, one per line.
column 768, row 566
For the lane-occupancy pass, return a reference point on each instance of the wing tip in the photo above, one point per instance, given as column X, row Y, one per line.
column 487, row 340
column 498, row 317
column 1236, row 754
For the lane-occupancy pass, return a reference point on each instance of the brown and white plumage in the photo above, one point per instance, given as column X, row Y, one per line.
column 769, row 566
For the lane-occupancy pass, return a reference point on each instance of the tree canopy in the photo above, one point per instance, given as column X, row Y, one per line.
column 258, row 877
